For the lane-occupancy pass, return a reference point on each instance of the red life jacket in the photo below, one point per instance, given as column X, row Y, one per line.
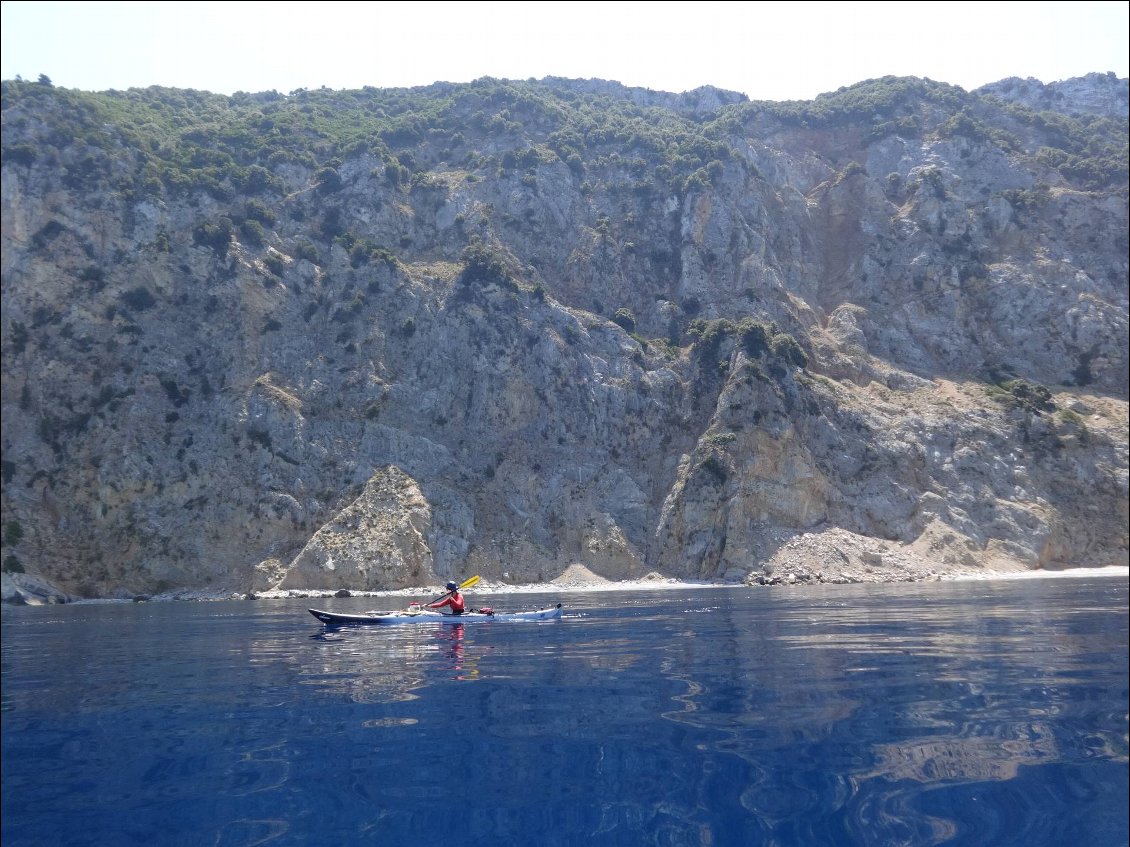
column 455, row 601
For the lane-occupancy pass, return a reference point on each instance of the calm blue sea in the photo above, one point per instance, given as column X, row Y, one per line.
column 974, row 713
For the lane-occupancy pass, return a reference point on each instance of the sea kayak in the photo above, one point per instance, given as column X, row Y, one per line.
column 401, row 617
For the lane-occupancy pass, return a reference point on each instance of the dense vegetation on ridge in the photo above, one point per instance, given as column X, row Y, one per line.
column 172, row 142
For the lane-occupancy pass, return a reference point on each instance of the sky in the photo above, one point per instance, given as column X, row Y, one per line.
column 767, row 50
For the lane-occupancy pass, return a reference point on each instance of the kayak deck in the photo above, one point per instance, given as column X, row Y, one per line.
column 401, row 617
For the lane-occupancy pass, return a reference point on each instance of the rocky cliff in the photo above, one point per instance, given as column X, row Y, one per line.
column 381, row 338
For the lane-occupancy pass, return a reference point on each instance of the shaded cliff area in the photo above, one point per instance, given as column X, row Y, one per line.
column 382, row 338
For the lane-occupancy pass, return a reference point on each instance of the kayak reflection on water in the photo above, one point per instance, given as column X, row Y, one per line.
column 454, row 634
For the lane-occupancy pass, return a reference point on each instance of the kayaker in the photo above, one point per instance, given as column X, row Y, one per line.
column 453, row 599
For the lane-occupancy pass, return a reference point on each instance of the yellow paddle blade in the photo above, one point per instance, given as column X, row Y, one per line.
column 468, row 583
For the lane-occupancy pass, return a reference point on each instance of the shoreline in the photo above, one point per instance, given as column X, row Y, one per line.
column 661, row 583
column 576, row 580
column 567, row 584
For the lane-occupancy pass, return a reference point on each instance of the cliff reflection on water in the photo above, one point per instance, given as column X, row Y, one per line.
column 957, row 714
column 867, row 714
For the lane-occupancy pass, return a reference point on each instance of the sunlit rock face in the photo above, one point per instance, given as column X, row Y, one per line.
column 511, row 328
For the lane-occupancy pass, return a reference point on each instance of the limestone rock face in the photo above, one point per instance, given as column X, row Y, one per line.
column 29, row 590
column 1094, row 94
column 377, row 542
column 498, row 344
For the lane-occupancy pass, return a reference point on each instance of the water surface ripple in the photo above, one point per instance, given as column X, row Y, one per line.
column 981, row 713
